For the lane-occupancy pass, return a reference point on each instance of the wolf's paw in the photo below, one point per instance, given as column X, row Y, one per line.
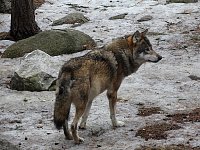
column 118, row 124
column 79, row 140
column 68, row 137
column 82, row 126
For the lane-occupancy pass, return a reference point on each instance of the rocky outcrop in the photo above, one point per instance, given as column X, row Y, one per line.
column 145, row 18
column 52, row 42
column 38, row 72
column 121, row 16
column 71, row 19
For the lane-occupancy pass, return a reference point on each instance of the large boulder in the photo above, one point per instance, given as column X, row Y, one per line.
column 38, row 72
column 71, row 19
column 52, row 42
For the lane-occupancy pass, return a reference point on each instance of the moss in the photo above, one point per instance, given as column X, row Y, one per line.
column 53, row 42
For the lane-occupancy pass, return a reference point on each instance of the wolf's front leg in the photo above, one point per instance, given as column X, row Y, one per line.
column 116, row 123
column 112, row 96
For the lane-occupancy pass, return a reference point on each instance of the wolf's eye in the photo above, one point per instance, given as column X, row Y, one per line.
column 147, row 49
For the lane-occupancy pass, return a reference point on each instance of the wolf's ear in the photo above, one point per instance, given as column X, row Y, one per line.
column 136, row 37
column 144, row 32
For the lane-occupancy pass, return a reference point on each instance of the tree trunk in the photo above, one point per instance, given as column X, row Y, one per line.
column 23, row 23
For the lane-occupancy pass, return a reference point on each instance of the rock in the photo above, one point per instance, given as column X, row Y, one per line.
column 121, row 16
column 5, row 6
column 25, row 100
column 181, row 1
column 52, row 42
column 5, row 36
column 71, row 19
column 40, row 126
column 98, row 145
column 37, row 72
column 193, row 77
column 145, row 18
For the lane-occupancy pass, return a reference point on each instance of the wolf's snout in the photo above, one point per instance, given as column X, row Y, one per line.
column 159, row 57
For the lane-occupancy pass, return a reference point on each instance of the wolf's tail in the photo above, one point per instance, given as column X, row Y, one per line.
column 63, row 101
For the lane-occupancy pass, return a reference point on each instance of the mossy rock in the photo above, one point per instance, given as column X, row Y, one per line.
column 145, row 18
column 37, row 82
column 121, row 16
column 38, row 71
column 52, row 42
column 71, row 19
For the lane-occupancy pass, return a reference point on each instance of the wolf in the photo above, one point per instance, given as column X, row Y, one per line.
column 83, row 78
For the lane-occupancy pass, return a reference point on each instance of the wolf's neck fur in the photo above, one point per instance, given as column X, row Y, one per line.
column 124, row 56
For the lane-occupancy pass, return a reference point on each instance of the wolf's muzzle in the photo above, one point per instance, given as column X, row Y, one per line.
column 159, row 58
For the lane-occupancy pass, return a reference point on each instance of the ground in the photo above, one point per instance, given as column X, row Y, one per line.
column 163, row 97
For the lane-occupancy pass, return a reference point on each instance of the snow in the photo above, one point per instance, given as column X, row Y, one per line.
column 164, row 84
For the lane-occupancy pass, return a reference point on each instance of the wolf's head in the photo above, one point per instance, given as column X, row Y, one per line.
column 142, row 48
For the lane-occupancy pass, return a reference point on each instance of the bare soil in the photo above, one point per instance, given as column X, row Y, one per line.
column 193, row 116
column 156, row 131
column 170, row 147
column 147, row 111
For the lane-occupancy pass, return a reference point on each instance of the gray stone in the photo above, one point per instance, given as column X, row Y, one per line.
column 71, row 19
column 121, row 16
column 145, row 18
column 52, row 42
column 38, row 72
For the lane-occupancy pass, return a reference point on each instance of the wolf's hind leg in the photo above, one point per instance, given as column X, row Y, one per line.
column 85, row 115
column 112, row 96
column 67, row 133
column 78, row 114
column 92, row 94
